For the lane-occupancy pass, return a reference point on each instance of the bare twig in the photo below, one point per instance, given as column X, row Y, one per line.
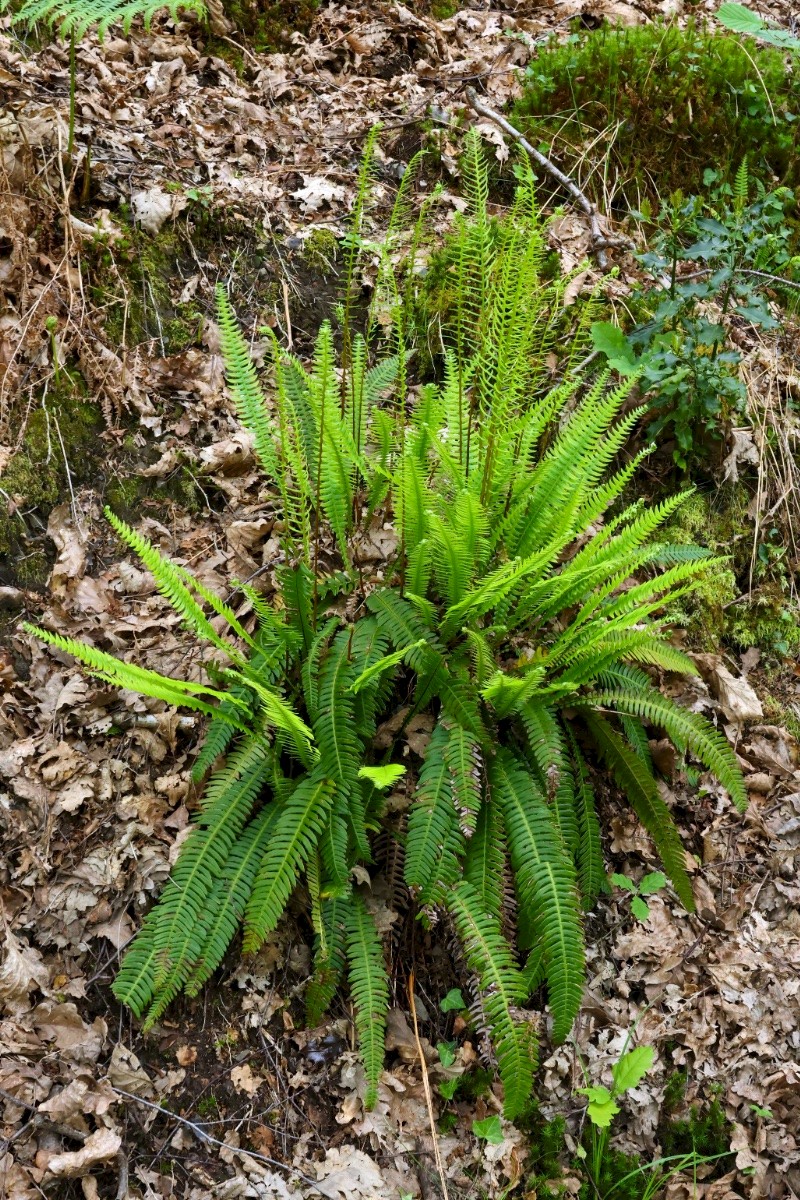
column 775, row 279
column 202, row 1136
column 599, row 239
column 426, row 1086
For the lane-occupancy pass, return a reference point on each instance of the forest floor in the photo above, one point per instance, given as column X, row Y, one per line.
column 201, row 172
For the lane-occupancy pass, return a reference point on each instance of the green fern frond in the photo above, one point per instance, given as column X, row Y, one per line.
column 485, row 858
column 228, row 899
column 369, row 987
column 171, row 581
column 295, row 832
column 502, row 991
column 546, row 885
column 551, row 758
column 642, row 792
column 78, row 16
column 464, row 760
column 589, row 856
column 176, row 692
column 686, row 729
column 329, row 959
column 170, row 942
column 434, row 836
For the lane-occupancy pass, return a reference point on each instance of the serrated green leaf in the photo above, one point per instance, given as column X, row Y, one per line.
column 632, row 1068
column 602, row 1108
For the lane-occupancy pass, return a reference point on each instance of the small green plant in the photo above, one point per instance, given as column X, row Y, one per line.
column 643, row 110
column 651, row 884
column 511, row 606
column 687, row 366
column 618, row 1176
column 740, row 19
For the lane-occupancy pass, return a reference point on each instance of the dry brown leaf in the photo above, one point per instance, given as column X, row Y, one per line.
column 98, row 1148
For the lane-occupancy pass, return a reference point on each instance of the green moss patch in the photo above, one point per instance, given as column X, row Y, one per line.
column 660, row 105
column 60, row 445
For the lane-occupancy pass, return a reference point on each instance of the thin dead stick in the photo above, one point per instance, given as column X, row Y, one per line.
column 202, row 1136
column 599, row 240
column 286, row 312
column 426, row 1087
column 778, row 280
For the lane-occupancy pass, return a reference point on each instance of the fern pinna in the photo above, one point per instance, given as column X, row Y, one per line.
column 522, row 608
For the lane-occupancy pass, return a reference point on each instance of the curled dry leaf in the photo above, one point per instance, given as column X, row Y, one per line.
column 98, row 1148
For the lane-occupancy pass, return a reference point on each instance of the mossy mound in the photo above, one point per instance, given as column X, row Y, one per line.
column 267, row 25
column 59, row 449
column 661, row 105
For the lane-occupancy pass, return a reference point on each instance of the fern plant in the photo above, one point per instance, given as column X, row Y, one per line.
column 515, row 610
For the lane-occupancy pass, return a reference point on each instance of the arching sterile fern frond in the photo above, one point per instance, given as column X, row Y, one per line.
column 295, row 832
column 686, row 729
column 502, row 991
column 549, row 751
column 228, row 900
column 171, row 581
column 329, row 958
column 137, row 679
column 369, row 985
column 642, row 792
column 589, row 856
column 434, row 835
column 546, row 886
column 169, row 945
column 485, row 858
column 463, row 757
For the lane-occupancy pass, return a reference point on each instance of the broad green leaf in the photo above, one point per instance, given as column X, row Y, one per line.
column 639, row 908
column 602, row 1108
column 624, row 882
column 632, row 1068
column 446, row 1052
column 489, row 1129
column 611, row 341
column 453, row 1001
column 652, row 883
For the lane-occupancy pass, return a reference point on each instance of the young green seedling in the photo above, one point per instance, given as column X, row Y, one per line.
column 649, row 885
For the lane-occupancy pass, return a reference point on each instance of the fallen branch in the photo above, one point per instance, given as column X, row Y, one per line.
column 599, row 239
column 775, row 280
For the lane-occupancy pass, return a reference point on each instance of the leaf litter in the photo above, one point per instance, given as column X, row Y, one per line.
column 230, row 1096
